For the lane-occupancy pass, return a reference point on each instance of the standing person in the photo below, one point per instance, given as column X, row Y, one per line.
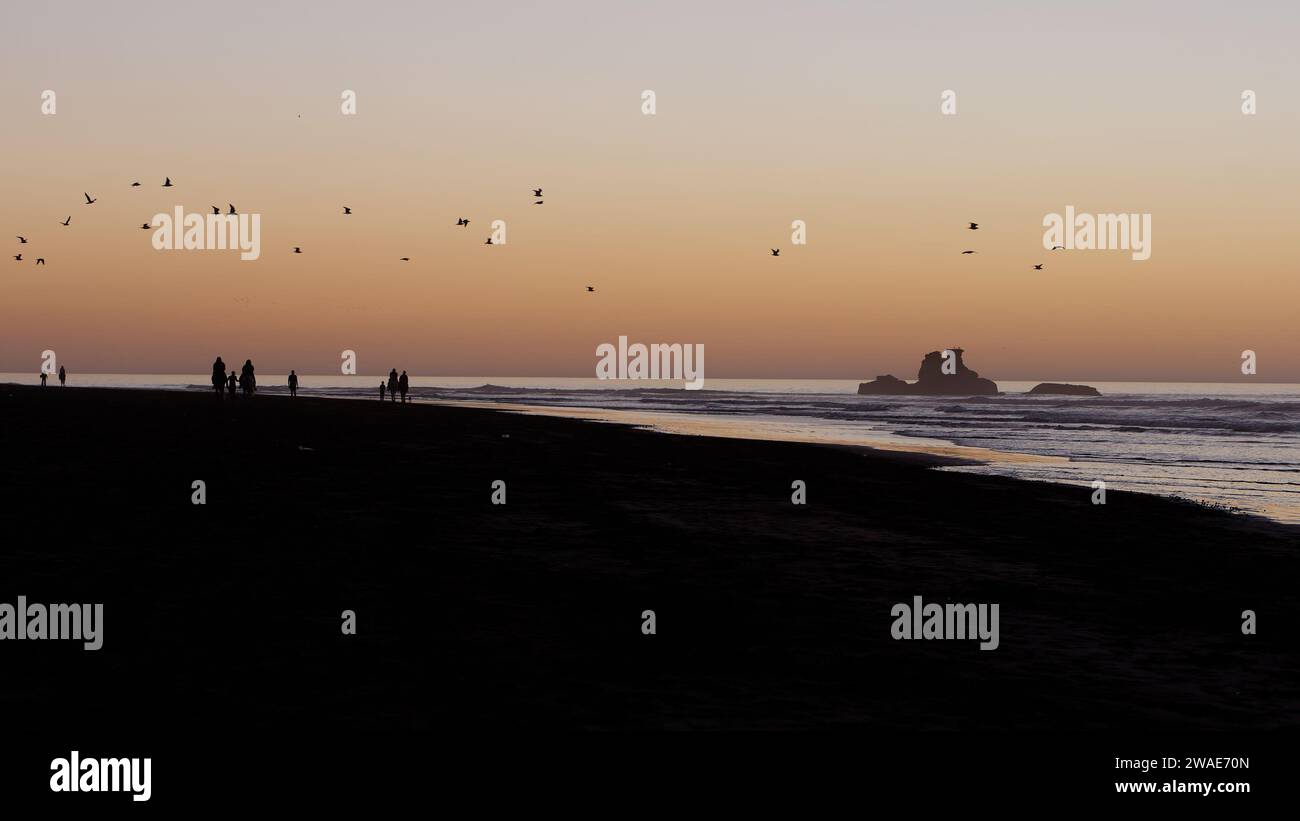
column 403, row 385
column 44, row 375
column 381, row 391
column 218, row 375
column 63, row 376
column 293, row 383
column 247, row 379
column 392, row 385
column 231, row 384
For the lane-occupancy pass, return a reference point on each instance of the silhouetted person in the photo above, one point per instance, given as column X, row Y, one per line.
column 231, row 384
column 403, row 384
column 392, row 385
column 381, row 391
column 43, row 377
column 218, row 375
column 293, row 383
column 246, row 378
column 63, row 376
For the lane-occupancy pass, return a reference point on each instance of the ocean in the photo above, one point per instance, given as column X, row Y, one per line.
column 1234, row 445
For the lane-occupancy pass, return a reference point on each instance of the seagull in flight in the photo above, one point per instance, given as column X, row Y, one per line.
column 144, row 227
column 537, row 192
column 974, row 226
column 232, row 209
column 462, row 221
column 216, row 210
column 89, row 199
column 18, row 257
column 347, row 210
column 539, row 202
column 40, row 260
column 776, row 252
column 1058, row 247
column 1038, row 267
column 167, row 183
column 21, row 240
column 297, row 250
column 66, row 221
column 135, row 185
column 405, row 259
column 489, row 241
column 968, row 252
column 591, row 290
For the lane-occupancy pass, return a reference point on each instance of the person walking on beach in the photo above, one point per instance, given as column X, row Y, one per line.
column 247, row 379
column 403, row 384
column 63, row 376
column 293, row 383
column 218, row 375
column 392, row 385
column 381, row 391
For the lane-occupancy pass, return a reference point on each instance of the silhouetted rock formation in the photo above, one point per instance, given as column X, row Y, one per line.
column 1065, row 390
column 932, row 381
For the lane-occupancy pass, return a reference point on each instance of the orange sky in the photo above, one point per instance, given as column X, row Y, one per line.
column 766, row 113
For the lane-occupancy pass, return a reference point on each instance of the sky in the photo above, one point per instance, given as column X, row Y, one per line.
column 766, row 113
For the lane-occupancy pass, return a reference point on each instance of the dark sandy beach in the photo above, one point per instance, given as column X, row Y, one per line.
column 528, row 615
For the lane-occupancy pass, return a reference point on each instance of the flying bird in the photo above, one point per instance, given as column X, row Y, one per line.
column 1038, row 267
column 18, row 257
column 489, row 241
column 539, row 202
column 232, row 209
column 297, row 250
column 776, row 252
column 462, row 221
column 347, row 210
column 167, row 183
column 216, row 210
column 135, row 185
column 591, row 290
column 40, row 260
column 968, row 252
column 145, row 227
column 89, row 199
column 1058, row 247
column 66, row 221
column 537, row 192
column 22, row 240
column 974, row 226
column 405, row 259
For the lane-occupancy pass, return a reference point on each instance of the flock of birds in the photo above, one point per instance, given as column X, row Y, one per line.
column 167, row 183
column 461, row 222
column 347, row 210
column 975, row 226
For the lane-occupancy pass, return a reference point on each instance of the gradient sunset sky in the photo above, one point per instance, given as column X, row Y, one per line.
column 767, row 113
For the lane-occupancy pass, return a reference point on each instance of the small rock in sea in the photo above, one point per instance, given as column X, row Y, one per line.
column 1059, row 388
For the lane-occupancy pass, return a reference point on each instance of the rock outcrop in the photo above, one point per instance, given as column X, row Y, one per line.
column 1065, row 390
column 931, row 380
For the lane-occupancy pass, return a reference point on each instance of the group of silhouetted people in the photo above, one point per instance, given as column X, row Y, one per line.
column 63, row 377
column 246, row 381
column 396, row 384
